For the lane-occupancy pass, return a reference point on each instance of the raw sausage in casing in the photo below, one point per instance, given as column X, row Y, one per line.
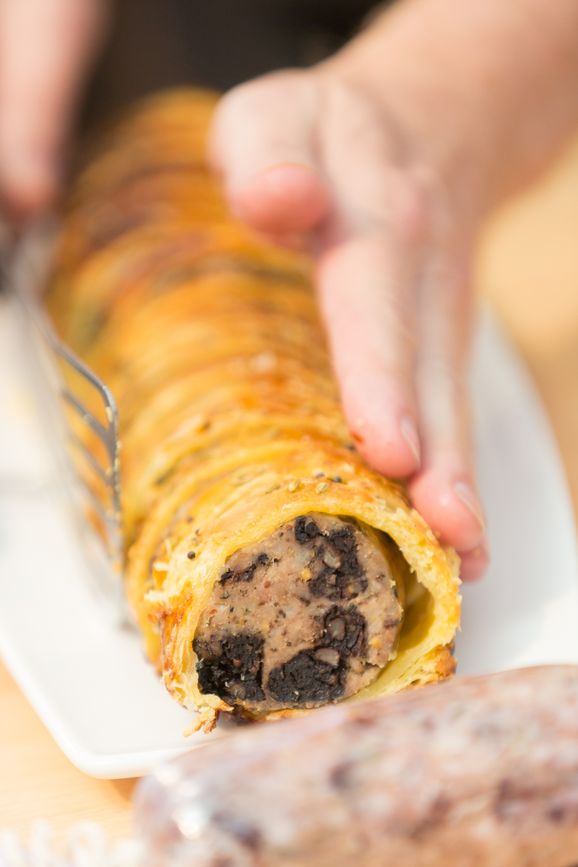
column 478, row 772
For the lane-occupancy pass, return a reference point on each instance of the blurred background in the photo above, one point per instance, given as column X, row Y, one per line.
column 163, row 43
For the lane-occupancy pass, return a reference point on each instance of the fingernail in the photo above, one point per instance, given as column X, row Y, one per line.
column 32, row 169
column 464, row 492
column 272, row 176
column 475, row 563
column 29, row 163
column 479, row 551
column 410, row 435
column 30, row 182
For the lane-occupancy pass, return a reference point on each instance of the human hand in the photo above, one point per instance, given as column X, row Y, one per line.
column 45, row 50
column 308, row 157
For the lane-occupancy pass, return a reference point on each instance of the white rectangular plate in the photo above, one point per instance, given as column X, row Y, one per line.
column 88, row 679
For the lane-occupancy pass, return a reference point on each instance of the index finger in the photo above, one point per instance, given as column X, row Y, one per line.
column 45, row 49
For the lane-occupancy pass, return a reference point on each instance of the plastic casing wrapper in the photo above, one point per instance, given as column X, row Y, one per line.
column 477, row 771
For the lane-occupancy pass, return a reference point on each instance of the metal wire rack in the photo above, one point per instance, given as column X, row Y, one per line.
column 78, row 410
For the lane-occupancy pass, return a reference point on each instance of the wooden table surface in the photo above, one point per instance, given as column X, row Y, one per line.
column 529, row 268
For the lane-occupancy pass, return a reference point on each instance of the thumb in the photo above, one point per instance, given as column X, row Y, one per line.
column 262, row 144
column 45, row 48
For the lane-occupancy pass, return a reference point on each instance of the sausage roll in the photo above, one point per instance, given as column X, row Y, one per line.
column 269, row 569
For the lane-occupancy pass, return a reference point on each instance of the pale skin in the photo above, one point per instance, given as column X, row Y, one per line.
column 382, row 161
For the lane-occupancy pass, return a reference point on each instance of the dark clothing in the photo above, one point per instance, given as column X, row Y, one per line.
column 217, row 43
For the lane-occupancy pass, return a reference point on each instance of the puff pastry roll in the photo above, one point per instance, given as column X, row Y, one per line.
column 269, row 569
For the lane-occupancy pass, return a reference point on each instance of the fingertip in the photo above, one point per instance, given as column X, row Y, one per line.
column 450, row 507
column 390, row 446
column 28, row 186
column 474, row 563
column 284, row 199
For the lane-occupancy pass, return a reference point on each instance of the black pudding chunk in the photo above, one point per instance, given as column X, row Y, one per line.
column 345, row 629
column 343, row 540
column 306, row 529
column 306, row 678
column 236, row 673
column 244, row 574
column 345, row 581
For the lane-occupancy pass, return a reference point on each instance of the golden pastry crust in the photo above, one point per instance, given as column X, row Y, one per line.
column 230, row 417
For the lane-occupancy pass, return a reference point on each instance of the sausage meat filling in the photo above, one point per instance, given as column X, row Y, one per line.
column 308, row 616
